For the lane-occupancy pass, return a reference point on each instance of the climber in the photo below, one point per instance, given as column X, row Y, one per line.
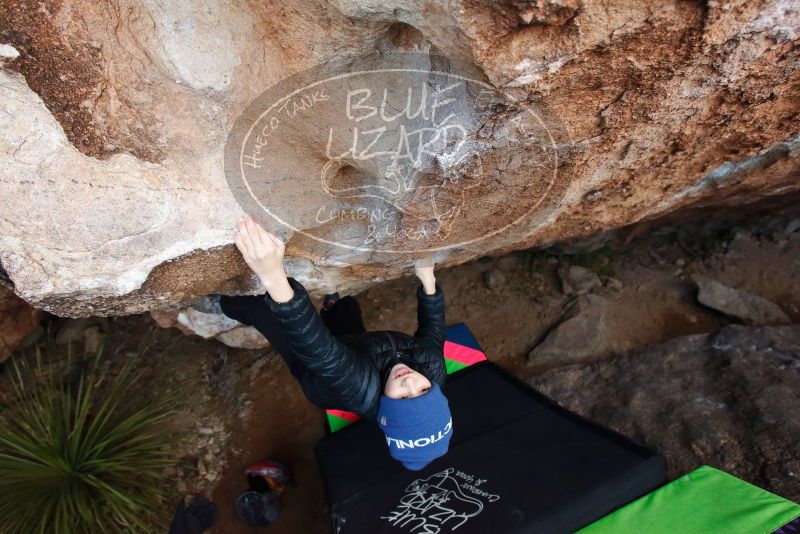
column 387, row 377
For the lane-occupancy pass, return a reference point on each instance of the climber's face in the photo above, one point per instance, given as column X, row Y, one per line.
column 405, row 383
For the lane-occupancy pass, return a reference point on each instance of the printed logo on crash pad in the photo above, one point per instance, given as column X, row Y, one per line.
column 440, row 503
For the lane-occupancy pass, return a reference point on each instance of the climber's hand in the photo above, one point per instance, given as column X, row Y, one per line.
column 424, row 270
column 263, row 253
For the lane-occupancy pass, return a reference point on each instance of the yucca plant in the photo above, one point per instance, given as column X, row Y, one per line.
column 81, row 454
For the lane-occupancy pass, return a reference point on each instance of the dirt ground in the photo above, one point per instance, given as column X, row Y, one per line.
column 240, row 406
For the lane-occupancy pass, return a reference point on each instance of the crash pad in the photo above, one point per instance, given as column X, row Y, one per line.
column 705, row 501
column 518, row 462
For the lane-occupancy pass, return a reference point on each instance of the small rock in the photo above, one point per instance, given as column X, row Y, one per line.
column 792, row 227
column 740, row 233
column 246, row 410
column 494, row 278
column 92, row 339
column 680, row 262
column 582, row 337
column 72, row 331
column 738, row 304
column 206, row 325
column 244, row 337
column 614, row 283
column 201, row 468
column 577, row 280
column 657, row 257
column 205, row 318
column 165, row 318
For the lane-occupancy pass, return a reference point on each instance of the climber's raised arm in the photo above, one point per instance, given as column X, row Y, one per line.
column 263, row 253
column 351, row 378
column 430, row 316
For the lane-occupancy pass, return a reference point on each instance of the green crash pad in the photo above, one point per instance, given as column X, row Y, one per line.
column 704, row 501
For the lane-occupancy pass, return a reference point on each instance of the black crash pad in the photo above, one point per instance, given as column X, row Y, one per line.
column 517, row 462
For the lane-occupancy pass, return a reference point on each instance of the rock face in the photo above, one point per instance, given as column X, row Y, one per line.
column 728, row 400
column 115, row 118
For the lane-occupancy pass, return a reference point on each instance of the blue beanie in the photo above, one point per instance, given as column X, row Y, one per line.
column 417, row 430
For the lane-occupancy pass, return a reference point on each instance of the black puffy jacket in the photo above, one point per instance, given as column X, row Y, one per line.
column 344, row 373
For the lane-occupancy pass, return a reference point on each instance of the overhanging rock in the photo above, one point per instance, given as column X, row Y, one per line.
column 115, row 130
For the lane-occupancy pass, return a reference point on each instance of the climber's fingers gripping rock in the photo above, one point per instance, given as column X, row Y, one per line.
column 262, row 251
column 423, row 269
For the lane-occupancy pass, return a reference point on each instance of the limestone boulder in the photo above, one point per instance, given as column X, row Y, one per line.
column 119, row 125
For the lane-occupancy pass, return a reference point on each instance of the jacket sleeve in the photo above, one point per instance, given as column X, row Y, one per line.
column 350, row 377
column 431, row 330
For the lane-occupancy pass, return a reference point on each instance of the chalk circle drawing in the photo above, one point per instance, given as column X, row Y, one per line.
column 440, row 503
column 394, row 154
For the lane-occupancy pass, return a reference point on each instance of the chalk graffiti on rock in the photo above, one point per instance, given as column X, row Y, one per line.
column 400, row 137
column 440, row 503
column 407, row 153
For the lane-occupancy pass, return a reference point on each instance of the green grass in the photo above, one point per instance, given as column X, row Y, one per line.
column 79, row 452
